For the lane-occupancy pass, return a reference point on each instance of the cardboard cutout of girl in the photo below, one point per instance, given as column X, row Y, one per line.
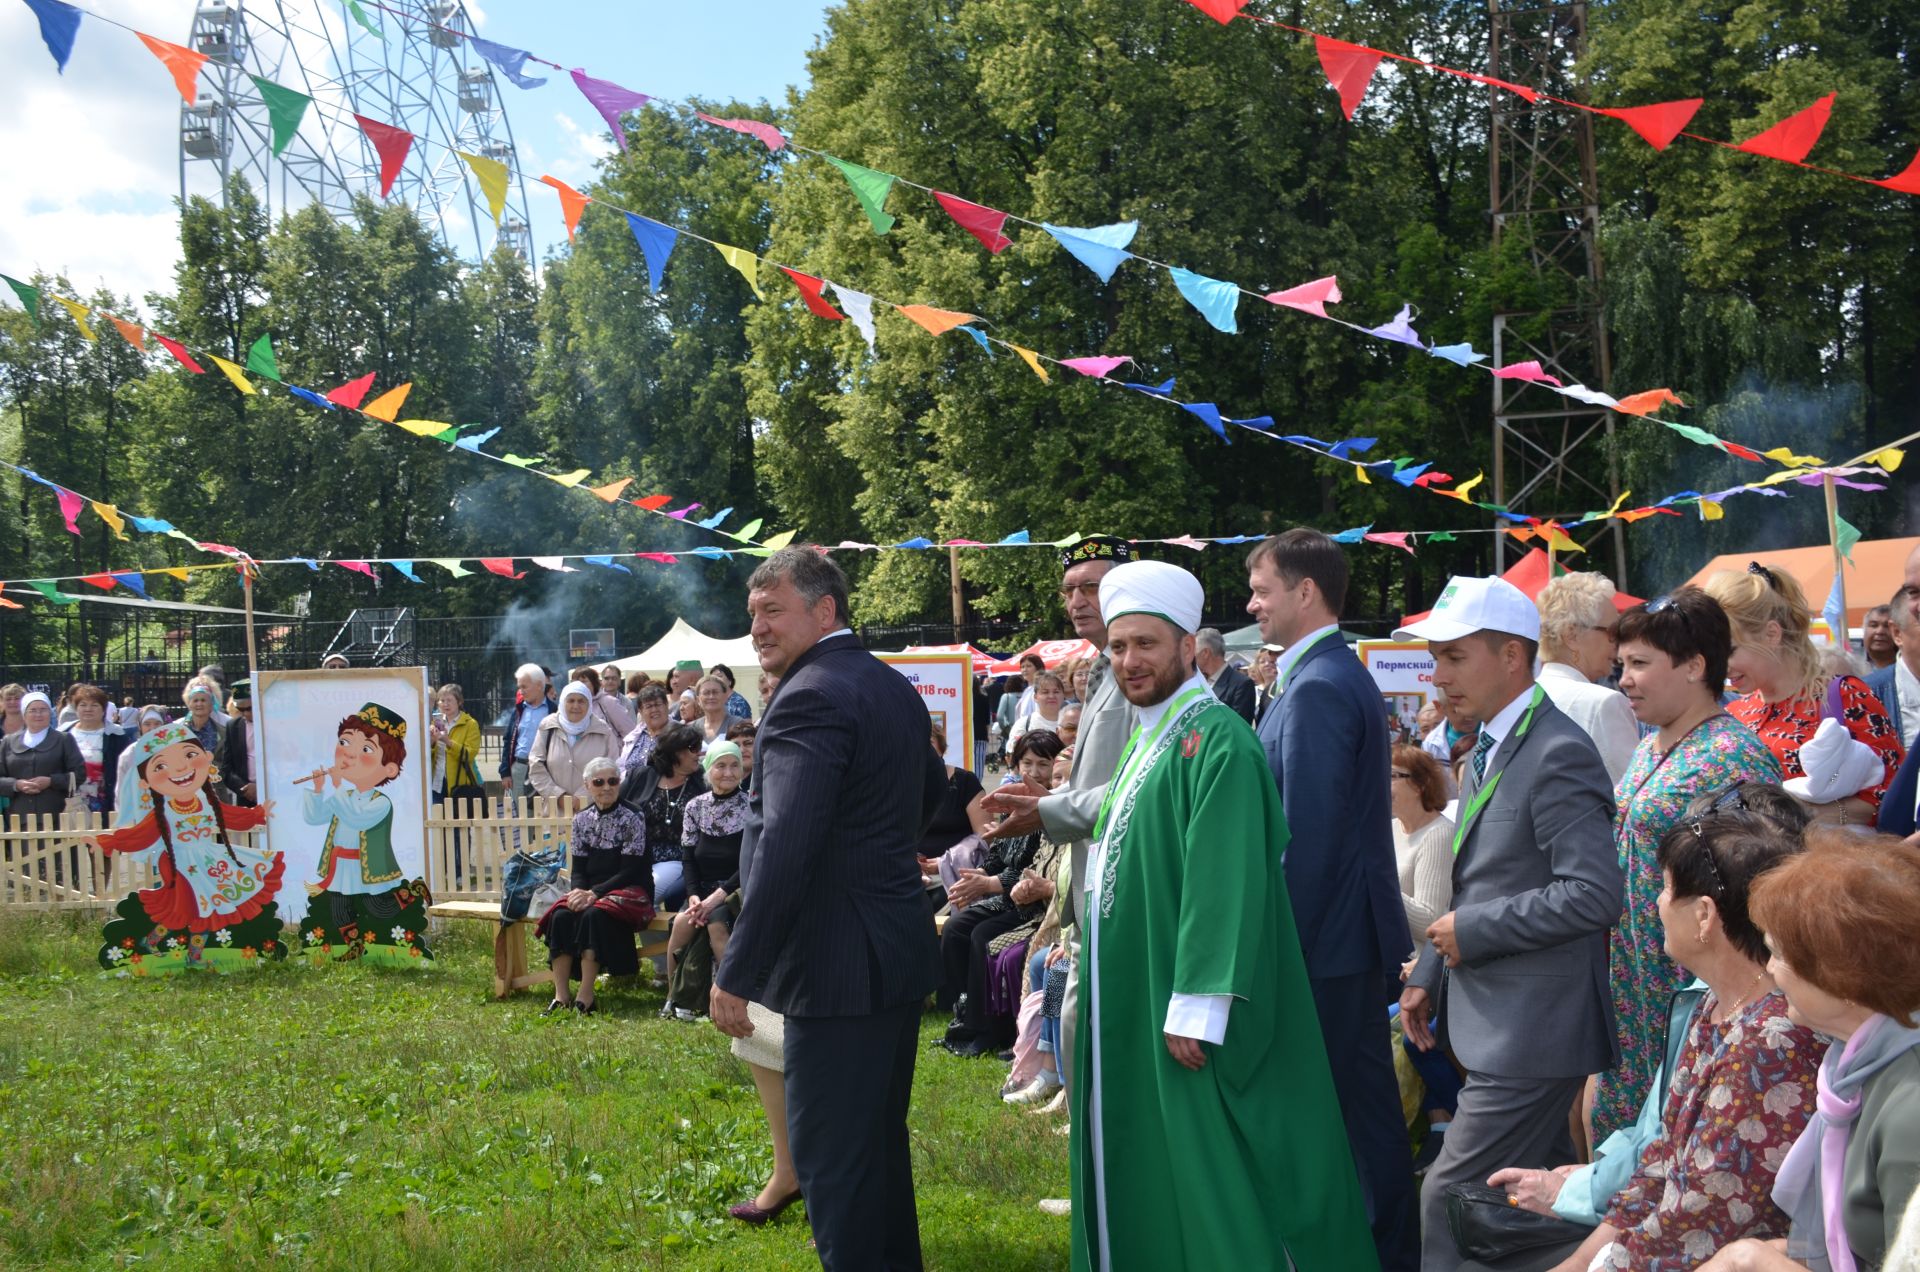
column 362, row 905
column 214, row 907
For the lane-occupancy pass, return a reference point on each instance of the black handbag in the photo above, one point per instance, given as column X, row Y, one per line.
column 1487, row 1227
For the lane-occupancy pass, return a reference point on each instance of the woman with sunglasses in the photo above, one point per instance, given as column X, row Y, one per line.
column 1787, row 692
column 591, row 929
column 1673, row 654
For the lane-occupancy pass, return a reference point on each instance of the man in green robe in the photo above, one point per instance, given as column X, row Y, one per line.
column 1206, row 1134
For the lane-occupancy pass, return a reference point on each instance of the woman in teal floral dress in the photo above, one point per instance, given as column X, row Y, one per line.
column 1673, row 653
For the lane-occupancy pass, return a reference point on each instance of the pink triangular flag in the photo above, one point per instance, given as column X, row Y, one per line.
column 767, row 133
column 1396, row 538
column 1792, row 137
column 70, row 506
column 1524, row 371
column 1659, row 123
column 1309, row 298
column 352, row 393
column 1095, row 367
column 1348, row 67
column 358, row 567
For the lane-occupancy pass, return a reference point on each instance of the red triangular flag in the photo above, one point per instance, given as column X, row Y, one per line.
column 1518, row 90
column 352, row 393
column 572, row 203
column 1348, row 68
column 358, row 567
column 981, row 222
column 1908, row 182
column 184, row 63
column 1659, row 123
column 1742, row 452
column 1311, row 298
column 1221, row 11
column 653, row 503
column 102, row 581
column 179, row 352
column 503, row 566
column 810, row 292
column 1792, row 137
column 391, row 144
column 135, row 334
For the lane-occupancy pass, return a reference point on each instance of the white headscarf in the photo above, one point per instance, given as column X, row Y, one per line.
column 28, row 737
column 573, row 731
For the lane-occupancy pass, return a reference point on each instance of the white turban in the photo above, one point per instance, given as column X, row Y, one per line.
column 1152, row 587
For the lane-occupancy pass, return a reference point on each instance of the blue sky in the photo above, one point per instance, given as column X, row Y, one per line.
column 92, row 154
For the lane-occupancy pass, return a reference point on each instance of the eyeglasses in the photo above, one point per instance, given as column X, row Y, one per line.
column 1092, row 589
column 1754, row 567
column 604, row 781
column 1699, row 830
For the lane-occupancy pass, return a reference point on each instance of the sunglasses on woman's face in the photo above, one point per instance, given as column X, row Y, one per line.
column 604, row 781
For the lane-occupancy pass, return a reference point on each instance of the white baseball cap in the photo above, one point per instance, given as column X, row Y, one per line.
column 1469, row 605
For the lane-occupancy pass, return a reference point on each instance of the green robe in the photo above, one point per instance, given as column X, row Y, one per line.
column 1245, row 1163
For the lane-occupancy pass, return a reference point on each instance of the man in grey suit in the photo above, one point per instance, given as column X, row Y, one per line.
column 1517, row 970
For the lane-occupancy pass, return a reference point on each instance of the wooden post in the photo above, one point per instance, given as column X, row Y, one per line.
column 1839, row 558
column 959, row 599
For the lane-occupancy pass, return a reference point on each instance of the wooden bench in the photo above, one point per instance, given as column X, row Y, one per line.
column 510, row 972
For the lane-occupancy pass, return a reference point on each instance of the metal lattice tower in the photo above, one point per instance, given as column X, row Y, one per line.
column 423, row 78
column 1552, row 456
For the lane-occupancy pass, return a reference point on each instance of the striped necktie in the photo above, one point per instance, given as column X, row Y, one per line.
column 1481, row 749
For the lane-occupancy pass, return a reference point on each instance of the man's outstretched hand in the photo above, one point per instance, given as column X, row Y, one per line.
column 1019, row 802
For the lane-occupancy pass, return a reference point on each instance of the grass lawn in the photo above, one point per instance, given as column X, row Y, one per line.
column 365, row 1118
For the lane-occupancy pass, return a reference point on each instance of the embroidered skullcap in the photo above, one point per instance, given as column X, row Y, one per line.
column 1152, row 587
column 1096, row 547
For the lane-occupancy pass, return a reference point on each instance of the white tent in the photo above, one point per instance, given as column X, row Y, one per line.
column 688, row 642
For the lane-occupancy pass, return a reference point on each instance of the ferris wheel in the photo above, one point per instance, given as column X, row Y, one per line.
column 421, row 77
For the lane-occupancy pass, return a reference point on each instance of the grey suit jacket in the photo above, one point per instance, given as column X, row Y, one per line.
column 1106, row 722
column 1536, row 887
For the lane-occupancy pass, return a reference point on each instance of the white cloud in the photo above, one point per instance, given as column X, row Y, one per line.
column 584, row 149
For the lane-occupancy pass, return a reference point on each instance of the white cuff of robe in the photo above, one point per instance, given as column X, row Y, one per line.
column 1202, row 1016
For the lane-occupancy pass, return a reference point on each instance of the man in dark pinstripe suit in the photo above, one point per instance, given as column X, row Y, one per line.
column 833, row 932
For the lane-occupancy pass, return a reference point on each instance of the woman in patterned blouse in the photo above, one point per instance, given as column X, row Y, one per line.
column 1744, row 1084
column 590, row 930
column 716, row 821
column 1787, row 693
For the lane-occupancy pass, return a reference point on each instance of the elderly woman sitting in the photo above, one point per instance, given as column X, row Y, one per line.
column 591, row 929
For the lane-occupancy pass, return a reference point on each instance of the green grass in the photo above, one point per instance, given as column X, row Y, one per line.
column 353, row 1118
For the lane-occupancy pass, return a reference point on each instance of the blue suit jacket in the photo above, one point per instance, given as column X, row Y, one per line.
column 1326, row 742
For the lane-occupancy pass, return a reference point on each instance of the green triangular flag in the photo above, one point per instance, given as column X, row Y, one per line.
column 451, row 566
column 870, row 187
column 518, row 461
column 1441, row 536
column 745, row 533
column 1845, row 536
column 284, row 110
column 29, row 297
column 260, row 358
column 360, row 16
column 47, row 589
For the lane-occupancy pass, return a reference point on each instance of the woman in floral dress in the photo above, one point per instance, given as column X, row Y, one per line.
column 1673, row 652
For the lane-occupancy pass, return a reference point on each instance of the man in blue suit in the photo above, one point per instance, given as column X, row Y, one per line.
column 1326, row 741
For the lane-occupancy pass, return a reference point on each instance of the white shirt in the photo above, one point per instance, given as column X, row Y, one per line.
column 1283, row 661
column 1907, row 685
column 1503, row 721
column 1603, row 714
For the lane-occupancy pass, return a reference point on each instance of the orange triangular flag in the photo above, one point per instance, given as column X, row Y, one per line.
column 572, row 203
column 387, row 405
column 9, row 604
column 136, row 334
column 611, row 491
column 184, row 63
column 1792, row 137
column 938, row 321
column 1647, row 403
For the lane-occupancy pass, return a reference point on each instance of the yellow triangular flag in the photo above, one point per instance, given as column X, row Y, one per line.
column 1032, row 359
column 573, row 478
column 1624, row 496
column 1711, row 511
column 1558, row 539
column 1889, row 458
column 174, row 573
column 111, row 515
column 1785, row 455
column 424, row 428
column 79, row 312
column 1464, row 493
column 235, row 374
column 388, row 404
column 937, row 321
column 1360, row 471
column 492, row 176
column 746, row 262
column 780, row 540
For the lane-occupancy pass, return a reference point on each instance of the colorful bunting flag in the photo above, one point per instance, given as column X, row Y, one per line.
column 1221, row 11
column 611, row 491
column 388, row 404
column 870, row 186
column 359, row 567
column 29, row 297
column 52, row 593
column 132, row 332
column 285, row 108
column 260, row 359
column 1395, row 538
column 1101, row 248
column 1530, row 371
column 1209, row 414
column 510, row 61
column 937, row 321
column 391, row 144
column 746, row 532
column 180, row 354
column 746, row 262
column 182, row 63
column 781, row 540
column 653, row 503
column 1216, row 300
column 519, row 461
column 1464, row 355
column 1310, row 298
column 1098, row 368
column 1400, row 329
column 79, row 313
column 353, row 392
column 111, row 515
column 366, row 23
column 980, row 338
column 70, row 506
column 406, row 570
column 656, row 245
column 59, row 24
column 503, row 566
column 983, row 223
column 492, row 176
column 1907, row 181
column 572, row 202
column 557, row 564
column 772, row 137
column 1348, row 68
column 131, row 580
column 451, row 565
column 607, row 561
column 1659, row 123
column 571, row 479
column 1647, row 403
column 1792, row 137
column 1032, row 359
column 235, row 374
column 859, row 307
column 610, row 100
column 810, row 294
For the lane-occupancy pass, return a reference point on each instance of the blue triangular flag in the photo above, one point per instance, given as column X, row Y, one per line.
column 1261, row 422
column 1835, row 611
column 1301, row 439
column 656, row 244
column 308, row 395
column 980, row 338
column 1463, row 354
column 1215, row 300
column 1400, row 329
column 918, row 541
column 715, row 519
column 1352, row 445
column 132, row 581
column 59, row 23
column 1100, row 248
column 475, row 441
column 310, row 563
column 712, row 554
column 510, row 61
column 406, row 570
column 1355, row 535
column 608, row 562
column 1405, row 476
column 1018, row 536
column 1157, row 390
column 1209, row 415
column 149, row 525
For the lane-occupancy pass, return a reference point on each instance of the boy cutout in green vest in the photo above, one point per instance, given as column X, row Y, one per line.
column 362, row 904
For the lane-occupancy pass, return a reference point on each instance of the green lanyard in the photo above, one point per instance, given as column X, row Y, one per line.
column 1485, row 793
column 1135, row 754
column 1294, row 665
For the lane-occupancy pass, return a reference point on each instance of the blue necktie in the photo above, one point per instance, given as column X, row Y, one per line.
column 1481, row 749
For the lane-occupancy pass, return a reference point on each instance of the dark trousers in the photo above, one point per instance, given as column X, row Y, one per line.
column 1353, row 1024
column 965, row 962
column 848, row 1081
column 1501, row 1122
